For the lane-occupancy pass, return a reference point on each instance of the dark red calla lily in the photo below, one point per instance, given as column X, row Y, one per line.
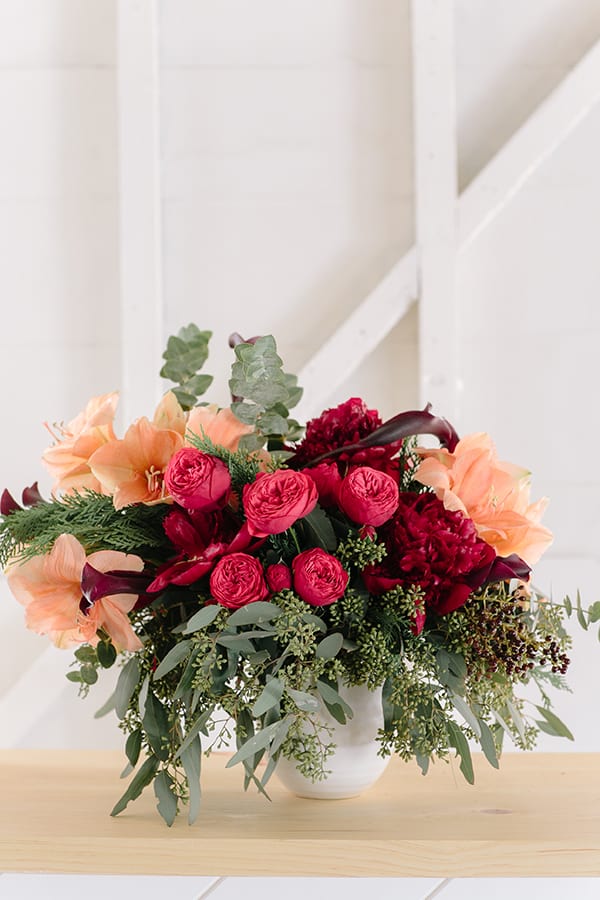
column 406, row 424
column 95, row 584
column 8, row 504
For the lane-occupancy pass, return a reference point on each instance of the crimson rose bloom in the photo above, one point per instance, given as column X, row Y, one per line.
column 279, row 577
column 326, row 476
column 433, row 548
column 368, row 497
column 197, row 480
column 319, row 578
column 237, row 579
column 275, row 501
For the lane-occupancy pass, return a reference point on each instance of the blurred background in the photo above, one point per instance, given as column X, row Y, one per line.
column 418, row 194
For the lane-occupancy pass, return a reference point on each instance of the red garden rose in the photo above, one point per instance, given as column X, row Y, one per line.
column 275, row 501
column 368, row 496
column 326, row 476
column 197, row 480
column 237, row 579
column 319, row 578
column 279, row 577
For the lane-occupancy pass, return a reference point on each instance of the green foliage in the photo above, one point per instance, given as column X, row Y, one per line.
column 185, row 355
column 264, row 394
column 91, row 518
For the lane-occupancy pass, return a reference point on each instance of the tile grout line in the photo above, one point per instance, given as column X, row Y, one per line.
column 438, row 889
column 211, row 888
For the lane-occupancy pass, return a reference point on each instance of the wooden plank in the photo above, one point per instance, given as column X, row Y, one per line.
column 538, row 815
column 139, row 207
column 435, row 162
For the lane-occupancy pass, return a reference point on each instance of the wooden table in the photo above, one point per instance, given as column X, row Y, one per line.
column 539, row 815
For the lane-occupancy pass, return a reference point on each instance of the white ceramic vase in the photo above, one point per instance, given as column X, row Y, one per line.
column 355, row 765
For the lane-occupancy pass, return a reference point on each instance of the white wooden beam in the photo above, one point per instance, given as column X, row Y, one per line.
column 139, row 207
column 479, row 204
column 29, row 698
column 436, row 186
column 537, row 139
column 358, row 335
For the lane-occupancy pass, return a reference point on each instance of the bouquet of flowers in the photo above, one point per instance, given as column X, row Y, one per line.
column 241, row 573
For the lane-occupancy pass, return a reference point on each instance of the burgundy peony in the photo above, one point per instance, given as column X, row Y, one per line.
column 368, row 496
column 433, row 548
column 197, row 480
column 319, row 578
column 279, row 577
column 344, row 424
column 237, row 579
column 275, row 501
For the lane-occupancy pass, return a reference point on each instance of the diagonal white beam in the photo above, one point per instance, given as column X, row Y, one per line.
column 479, row 204
column 358, row 335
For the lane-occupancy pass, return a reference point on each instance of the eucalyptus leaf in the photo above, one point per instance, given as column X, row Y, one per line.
column 174, row 657
column 556, row 723
column 254, row 614
column 517, row 718
column 269, row 697
column 258, row 742
column 139, row 781
column 461, row 745
column 133, row 745
column 467, row 713
column 488, row 744
column 580, row 614
column 304, row 701
column 195, row 728
column 203, row 618
column 165, row 794
column 191, row 760
column 126, row 685
column 156, row 725
column 330, row 646
column 332, row 698
column 106, row 654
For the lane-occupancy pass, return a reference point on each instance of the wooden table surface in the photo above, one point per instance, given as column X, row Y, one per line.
column 539, row 815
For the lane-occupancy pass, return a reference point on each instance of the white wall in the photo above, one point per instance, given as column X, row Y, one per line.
column 287, row 193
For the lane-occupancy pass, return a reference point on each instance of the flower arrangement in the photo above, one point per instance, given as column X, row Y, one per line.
column 241, row 573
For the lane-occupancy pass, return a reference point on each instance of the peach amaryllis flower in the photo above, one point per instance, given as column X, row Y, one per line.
column 50, row 589
column 494, row 494
column 220, row 425
column 132, row 469
column 68, row 458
